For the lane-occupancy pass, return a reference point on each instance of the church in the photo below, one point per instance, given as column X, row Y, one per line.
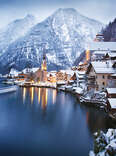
column 41, row 74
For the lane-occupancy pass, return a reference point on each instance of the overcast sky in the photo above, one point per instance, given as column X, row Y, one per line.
column 102, row 10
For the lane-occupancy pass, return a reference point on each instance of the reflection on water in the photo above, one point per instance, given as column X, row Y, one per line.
column 39, row 98
column 47, row 122
column 41, row 94
column 96, row 121
column 32, row 94
column 24, row 94
column 44, row 97
column 54, row 96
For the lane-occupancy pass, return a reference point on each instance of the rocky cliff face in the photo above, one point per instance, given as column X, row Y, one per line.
column 62, row 37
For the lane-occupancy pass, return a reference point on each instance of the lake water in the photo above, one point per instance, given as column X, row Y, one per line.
column 44, row 122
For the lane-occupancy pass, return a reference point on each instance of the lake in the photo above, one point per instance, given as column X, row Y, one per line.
column 44, row 122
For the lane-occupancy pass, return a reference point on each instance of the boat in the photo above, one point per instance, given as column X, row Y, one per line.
column 8, row 89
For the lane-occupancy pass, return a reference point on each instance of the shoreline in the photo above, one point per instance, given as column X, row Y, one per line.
column 77, row 96
column 74, row 93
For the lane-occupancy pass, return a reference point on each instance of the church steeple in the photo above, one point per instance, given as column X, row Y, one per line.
column 44, row 63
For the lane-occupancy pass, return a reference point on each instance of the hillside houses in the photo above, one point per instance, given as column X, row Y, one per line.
column 102, row 46
column 99, row 74
column 102, row 50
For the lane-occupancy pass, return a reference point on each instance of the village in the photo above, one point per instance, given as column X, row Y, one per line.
column 93, row 81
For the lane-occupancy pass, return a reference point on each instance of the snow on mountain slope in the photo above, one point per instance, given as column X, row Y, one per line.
column 15, row 30
column 62, row 36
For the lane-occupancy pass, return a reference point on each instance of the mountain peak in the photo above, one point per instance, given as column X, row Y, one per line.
column 67, row 11
column 29, row 16
column 63, row 35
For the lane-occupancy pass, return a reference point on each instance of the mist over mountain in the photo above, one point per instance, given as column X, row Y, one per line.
column 62, row 37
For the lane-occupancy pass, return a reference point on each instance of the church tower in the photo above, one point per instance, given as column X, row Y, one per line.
column 44, row 69
column 44, row 64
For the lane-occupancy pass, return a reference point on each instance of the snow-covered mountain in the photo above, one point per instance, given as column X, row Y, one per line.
column 62, row 36
column 15, row 30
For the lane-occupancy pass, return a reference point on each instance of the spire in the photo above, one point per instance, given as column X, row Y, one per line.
column 44, row 63
column 44, row 57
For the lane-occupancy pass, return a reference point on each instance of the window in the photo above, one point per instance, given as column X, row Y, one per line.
column 103, row 83
column 103, row 76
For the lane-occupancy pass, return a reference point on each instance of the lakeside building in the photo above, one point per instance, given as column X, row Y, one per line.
column 99, row 37
column 51, row 77
column 102, row 46
column 13, row 73
column 103, row 55
column 101, row 71
column 99, row 49
column 98, row 74
column 111, row 92
column 111, row 106
column 65, row 75
column 112, row 81
column 111, row 102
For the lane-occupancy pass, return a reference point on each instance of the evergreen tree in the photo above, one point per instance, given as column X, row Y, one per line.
column 109, row 31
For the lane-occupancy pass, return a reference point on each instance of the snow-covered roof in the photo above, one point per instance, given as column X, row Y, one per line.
column 80, row 76
column 112, row 54
column 51, row 73
column 102, row 64
column 14, row 72
column 25, row 70
column 31, row 70
column 111, row 90
column 68, row 87
column 34, row 69
column 79, row 90
column 61, row 82
column 103, row 67
column 81, row 63
column 69, row 72
column 105, row 70
column 102, row 46
column 112, row 102
column 99, row 52
column 80, row 72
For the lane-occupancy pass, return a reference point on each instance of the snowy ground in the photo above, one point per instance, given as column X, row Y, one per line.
column 104, row 144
